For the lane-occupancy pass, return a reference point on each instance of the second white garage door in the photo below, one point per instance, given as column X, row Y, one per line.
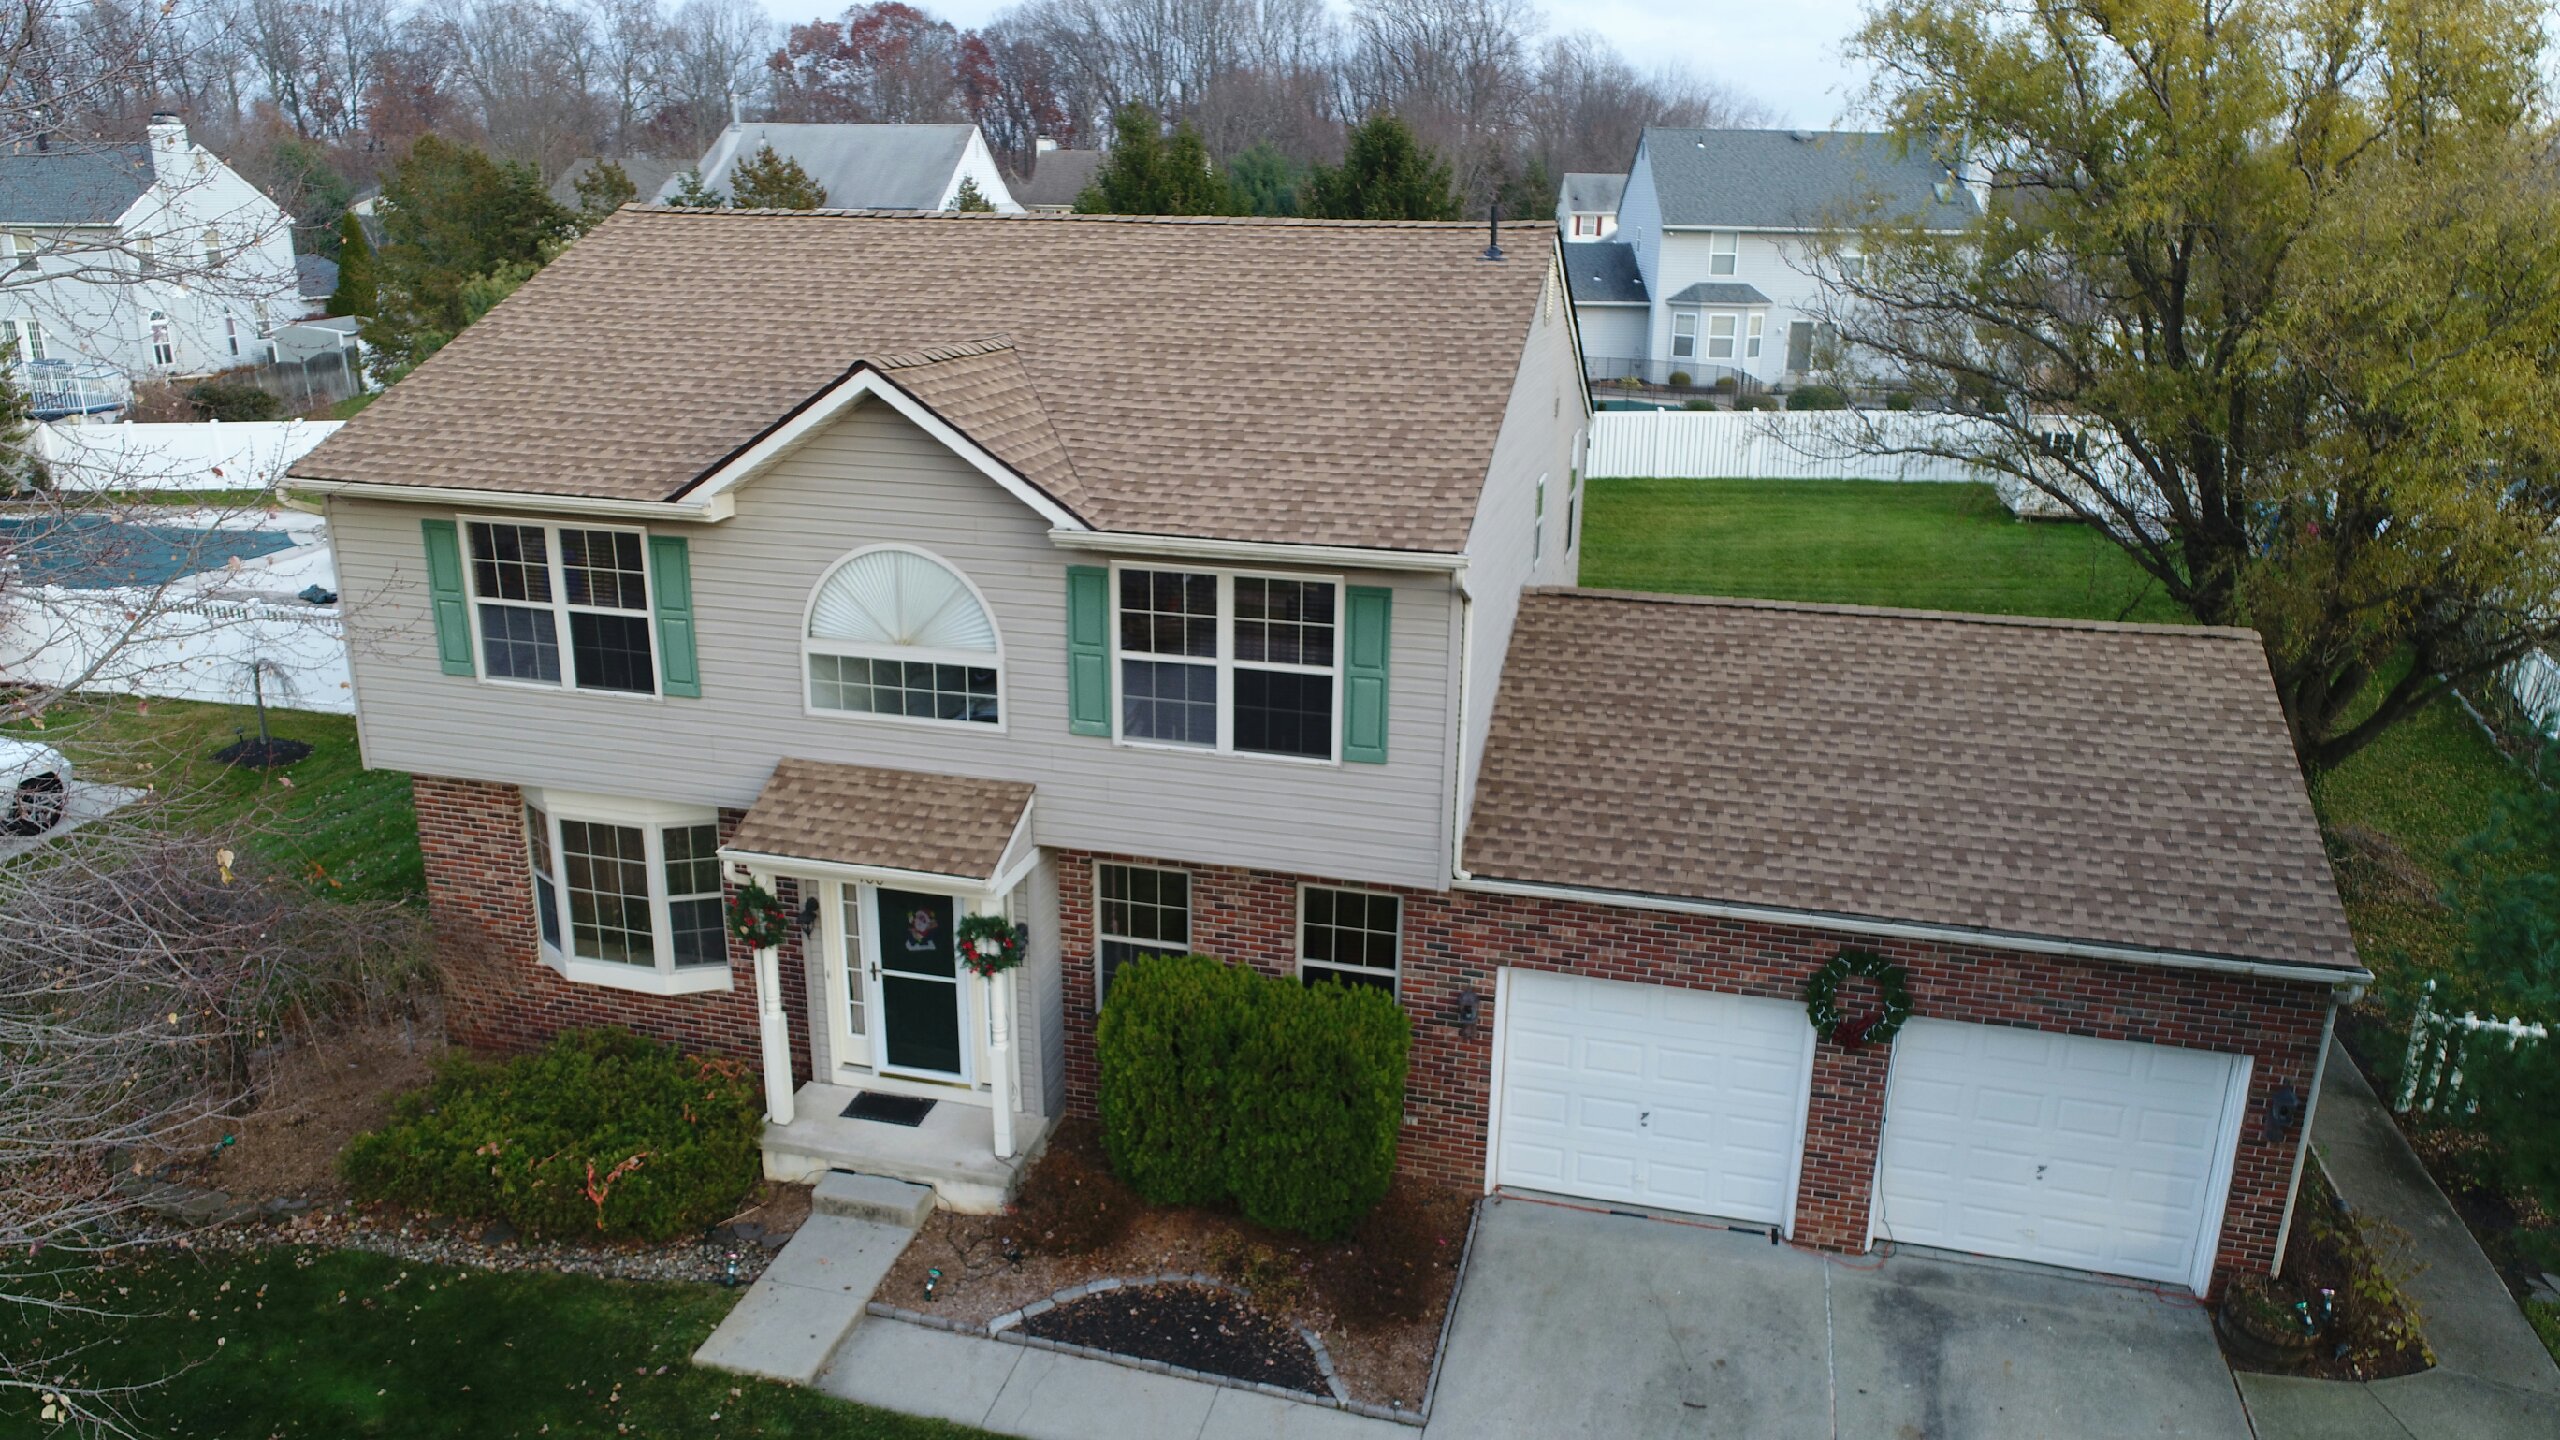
column 2093, row 1154
column 1676, row 1099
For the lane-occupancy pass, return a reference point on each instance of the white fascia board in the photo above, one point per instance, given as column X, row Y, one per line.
column 1256, row 552
column 1604, row 304
column 714, row 509
column 866, row 383
column 1910, row 930
column 924, row 880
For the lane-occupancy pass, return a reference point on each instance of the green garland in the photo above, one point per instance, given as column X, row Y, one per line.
column 1822, row 999
column 757, row 917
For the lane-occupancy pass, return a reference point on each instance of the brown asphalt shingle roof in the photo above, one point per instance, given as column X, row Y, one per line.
column 1318, row 382
column 2127, row 785
column 895, row 819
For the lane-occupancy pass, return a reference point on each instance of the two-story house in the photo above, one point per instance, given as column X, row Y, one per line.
column 1187, row 584
column 1714, row 268
column 130, row 260
column 866, row 167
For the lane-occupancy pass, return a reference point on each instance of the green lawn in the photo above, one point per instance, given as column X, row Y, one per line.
column 335, row 1344
column 1859, row 542
column 325, row 818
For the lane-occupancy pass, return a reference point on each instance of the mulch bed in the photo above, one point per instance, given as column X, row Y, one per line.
column 1376, row 1298
column 2362, row 1265
column 1188, row 1325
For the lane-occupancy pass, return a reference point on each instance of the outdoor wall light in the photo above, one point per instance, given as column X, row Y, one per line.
column 1468, row 1008
column 809, row 915
column 2284, row 1111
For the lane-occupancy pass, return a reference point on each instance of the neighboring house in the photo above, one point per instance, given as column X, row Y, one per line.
column 138, row 259
column 1587, row 208
column 1714, row 240
column 1101, row 574
column 315, row 283
column 862, row 167
column 1056, row 177
column 648, row 174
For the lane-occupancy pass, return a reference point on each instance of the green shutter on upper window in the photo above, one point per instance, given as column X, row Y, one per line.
column 1367, row 612
column 1088, row 650
column 671, row 585
column 444, row 591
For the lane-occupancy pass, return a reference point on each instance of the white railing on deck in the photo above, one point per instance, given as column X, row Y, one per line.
column 2431, row 1073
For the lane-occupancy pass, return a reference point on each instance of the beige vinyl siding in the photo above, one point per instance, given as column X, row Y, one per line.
column 1040, row 995
column 873, row 478
column 1539, row 425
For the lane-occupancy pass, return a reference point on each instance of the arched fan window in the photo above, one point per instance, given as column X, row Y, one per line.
column 894, row 631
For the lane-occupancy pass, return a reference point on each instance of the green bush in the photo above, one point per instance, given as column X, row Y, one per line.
column 234, row 400
column 601, row 1132
column 1697, row 405
column 1725, row 385
column 1817, row 397
column 1219, row 1083
column 1898, row 400
column 1679, row 379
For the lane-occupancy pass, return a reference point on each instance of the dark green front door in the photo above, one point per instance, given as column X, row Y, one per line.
column 919, row 983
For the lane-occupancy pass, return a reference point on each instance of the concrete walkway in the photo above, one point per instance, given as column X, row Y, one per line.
column 2492, row 1376
column 817, row 1287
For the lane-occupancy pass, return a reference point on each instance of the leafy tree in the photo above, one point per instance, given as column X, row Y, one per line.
column 306, row 184
column 971, row 200
column 1150, row 173
column 1385, row 174
column 452, row 218
column 2297, row 266
column 355, row 292
column 1264, row 180
column 605, row 188
column 692, row 194
column 767, row 180
column 1528, row 193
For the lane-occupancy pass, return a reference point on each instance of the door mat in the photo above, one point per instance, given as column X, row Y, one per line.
column 904, row 1110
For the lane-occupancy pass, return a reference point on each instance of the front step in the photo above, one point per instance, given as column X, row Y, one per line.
column 871, row 1197
column 808, row 1299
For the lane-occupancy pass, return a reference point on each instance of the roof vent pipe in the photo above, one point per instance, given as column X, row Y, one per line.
column 1493, row 233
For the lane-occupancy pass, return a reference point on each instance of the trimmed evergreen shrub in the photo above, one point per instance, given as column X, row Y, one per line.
column 1898, row 400
column 603, row 1132
column 234, row 400
column 1679, row 379
column 1315, row 1105
column 1166, row 1047
column 1817, row 397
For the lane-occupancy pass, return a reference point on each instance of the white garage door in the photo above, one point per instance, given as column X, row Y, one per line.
column 1677, row 1099
column 2094, row 1154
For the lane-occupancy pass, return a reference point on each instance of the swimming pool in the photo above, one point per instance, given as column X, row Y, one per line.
column 98, row 552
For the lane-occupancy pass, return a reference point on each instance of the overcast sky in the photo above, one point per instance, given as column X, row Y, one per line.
column 1785, row 53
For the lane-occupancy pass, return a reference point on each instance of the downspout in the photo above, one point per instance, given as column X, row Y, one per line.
column 2310, row 1112
column 1458, row 751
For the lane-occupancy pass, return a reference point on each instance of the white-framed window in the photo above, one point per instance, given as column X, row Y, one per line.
column 146, row 256
column 27, row 339
column 898, row 633
column 163, row 353
column 563, row 605
column 1724, row 251
column 1585, row 225
column 1353, row 937
column 212, row 246
column 1684, row 335
column 266, row 322
column 627, row 893
column 231, row 332
column 1720, row 328
column 1538, row 522
column 22, row 251
column 1215, row 660
column 1853, row 266
column 1137, row 910
column 1751, row 336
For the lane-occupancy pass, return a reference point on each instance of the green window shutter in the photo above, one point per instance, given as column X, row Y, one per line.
column 1088, row 650
column 1364, row 674
column 671, row 584
column 444, row 585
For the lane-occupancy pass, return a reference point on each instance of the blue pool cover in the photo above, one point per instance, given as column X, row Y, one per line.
column 94, row 552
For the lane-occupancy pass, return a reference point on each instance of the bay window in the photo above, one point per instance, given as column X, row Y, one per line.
column 1228, row 662
column 539, row 590
column 1720, row 327
column 627, row 893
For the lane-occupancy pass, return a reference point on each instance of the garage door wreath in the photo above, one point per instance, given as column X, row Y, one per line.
column 1822, row 999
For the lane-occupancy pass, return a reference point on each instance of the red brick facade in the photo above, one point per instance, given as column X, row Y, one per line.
column 498, row 993
column 1461, row 939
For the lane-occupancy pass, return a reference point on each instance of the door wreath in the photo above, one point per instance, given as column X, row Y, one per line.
column 989, row 944
column 756, row 916
column 1822, row 999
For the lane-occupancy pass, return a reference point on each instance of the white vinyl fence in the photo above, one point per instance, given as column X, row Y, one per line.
column 240, row 455
column 1775, row 445
column 2535, row 682
column 2431, row 1075
column 181, row 649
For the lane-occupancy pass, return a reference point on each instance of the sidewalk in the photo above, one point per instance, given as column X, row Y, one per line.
column 2492, row 1376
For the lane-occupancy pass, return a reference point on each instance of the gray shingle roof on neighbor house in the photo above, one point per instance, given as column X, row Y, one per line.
column 647, row 174
column 315, row 277
column 2123, row 785
column 1057, row 177
column 1603, row 272
column 1723, row 292
column 1587, row 191
column 862, row 167
column 71, row 183
column 1795, row 179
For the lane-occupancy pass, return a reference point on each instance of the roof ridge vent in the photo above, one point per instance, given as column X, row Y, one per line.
column 1802, row 137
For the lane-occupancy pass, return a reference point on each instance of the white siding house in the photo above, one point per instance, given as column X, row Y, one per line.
column 863, row 167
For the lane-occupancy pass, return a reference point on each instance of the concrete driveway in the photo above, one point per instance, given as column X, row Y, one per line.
column 1577, row 1323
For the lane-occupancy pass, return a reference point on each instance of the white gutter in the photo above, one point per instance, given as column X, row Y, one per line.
column 1910, row 930
column 715, row 508
column 925, row 880
column 1187, row 547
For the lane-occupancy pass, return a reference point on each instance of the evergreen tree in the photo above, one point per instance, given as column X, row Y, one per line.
column 770, row 181
column 1149, row 173
column 692, row 194
column 355, row 292
column 605, row 188
column 1263, row 180
column 1385, row 174
column 1529, row 193
column 972, row 200
column 450, row 216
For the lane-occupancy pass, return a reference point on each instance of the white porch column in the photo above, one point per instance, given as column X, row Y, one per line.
column 772, row 1028
column 996, row 992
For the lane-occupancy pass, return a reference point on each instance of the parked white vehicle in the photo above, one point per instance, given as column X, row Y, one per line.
column 36, row 780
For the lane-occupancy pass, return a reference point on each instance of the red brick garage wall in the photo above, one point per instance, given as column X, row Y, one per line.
column 498, row 993
column 1456, row 940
